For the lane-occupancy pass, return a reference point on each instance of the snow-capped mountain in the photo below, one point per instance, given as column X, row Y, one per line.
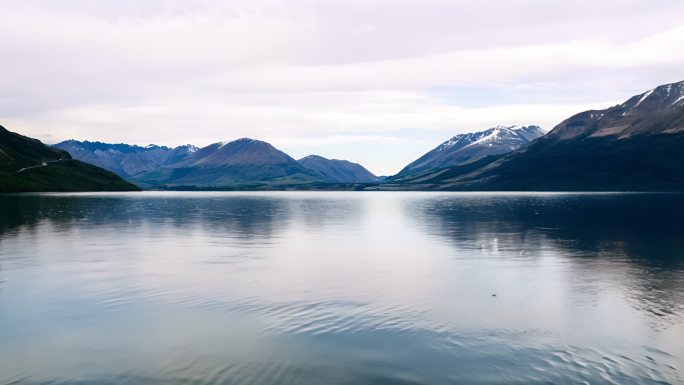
column 466, row 148
column 634, row 117
column 637, row 145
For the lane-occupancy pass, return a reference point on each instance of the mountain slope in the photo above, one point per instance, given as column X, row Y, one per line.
column 637, row 145
column 123, row 159
column 470, row 147
column 26, row 164
column 240, row 163
column 336, row 170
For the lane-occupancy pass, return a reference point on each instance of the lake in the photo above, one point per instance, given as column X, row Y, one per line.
column 341, row 288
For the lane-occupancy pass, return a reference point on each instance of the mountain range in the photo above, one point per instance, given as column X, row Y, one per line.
column 245, row 162
column 337, row 170
column 637, row 145
column 26, row 164
column 126, row 160
column 242, row 163
column 466, row 148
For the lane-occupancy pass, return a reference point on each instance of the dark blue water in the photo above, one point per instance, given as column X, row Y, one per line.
column 341, row 288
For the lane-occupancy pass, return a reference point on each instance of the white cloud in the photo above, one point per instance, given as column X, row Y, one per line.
column 321, row 75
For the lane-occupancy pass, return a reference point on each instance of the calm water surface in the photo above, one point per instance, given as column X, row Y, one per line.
column 341, row 288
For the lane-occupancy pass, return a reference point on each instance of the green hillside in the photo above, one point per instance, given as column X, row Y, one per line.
column 27, row 165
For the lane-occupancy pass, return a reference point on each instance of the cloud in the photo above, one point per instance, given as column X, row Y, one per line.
column 309, row 74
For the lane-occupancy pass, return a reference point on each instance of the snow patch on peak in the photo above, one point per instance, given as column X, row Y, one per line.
column 680, row 87
column 681, row 98
column 496, row 133
column 449, row 143
column 644, row 97
column 513, row 127
column 520, row 129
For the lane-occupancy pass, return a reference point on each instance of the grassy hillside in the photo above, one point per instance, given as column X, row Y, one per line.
column 27, row 165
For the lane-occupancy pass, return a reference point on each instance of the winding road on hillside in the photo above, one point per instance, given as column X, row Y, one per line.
column 40, row 165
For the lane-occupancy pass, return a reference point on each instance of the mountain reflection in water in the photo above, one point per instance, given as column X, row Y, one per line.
column 341, row 288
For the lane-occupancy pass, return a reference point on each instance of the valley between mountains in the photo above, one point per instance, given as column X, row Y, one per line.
column 637, row 145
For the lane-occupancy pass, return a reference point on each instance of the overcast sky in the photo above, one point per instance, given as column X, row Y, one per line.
column 375, row 81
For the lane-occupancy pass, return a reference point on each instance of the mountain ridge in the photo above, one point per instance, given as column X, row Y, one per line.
column 236, row 163
column 633, row 146
column 469, row 147
column 28, row 165
column 123, row 159
column 338, row 170
column 241, row 162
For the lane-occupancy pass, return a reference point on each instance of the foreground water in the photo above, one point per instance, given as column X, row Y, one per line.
column 341, row 288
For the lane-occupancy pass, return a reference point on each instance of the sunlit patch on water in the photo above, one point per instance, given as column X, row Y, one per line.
column 341, row 288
